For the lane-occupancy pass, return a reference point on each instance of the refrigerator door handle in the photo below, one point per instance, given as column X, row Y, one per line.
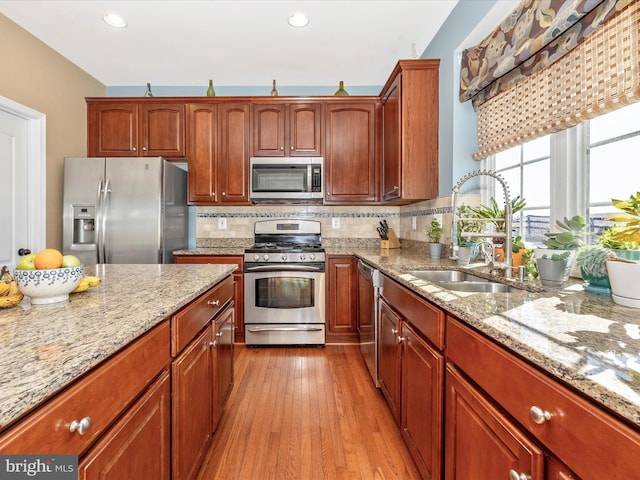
column 106, row 193
column 99, row 221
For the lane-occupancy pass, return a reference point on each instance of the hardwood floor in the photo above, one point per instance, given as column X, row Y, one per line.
column 306, row 414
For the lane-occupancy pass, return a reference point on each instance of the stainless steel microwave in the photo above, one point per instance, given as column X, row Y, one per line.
column 286, row 179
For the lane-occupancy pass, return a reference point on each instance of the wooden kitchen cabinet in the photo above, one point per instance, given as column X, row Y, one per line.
column 139, row 444
column 410, row 132
column 218, row 154
column 389, row 353
column 238, row 283
column 287, row 130
column 342, row 298
column 480, row 441
column 222, row 360
column 351, row 154
column 122, row 128
column 580, row 439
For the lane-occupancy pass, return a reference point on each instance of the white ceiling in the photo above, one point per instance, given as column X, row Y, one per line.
column 233, row 42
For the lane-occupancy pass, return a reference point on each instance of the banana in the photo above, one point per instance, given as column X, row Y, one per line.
column 4, row 289
column 93, row 281
column 82, row 286
column 13, row 289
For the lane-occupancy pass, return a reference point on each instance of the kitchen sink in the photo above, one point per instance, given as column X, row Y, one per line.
column 462, row 281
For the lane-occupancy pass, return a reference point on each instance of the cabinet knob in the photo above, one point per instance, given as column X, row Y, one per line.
column 513, row 475
column 395, row 187
column 134, row 149
column 213, row 344
column 215, row 303
column 224, row 194
column 80, row 426
column 212, row 194
column 281, row 148
column 399, row 339
column 219, row 334
column 394, row 331
column 144, row 149
column 539, row 415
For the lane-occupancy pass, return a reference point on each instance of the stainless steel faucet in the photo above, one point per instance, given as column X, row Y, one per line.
column 507, row 265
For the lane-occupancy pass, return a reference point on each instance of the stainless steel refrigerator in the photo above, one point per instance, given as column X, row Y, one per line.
column 124, row 210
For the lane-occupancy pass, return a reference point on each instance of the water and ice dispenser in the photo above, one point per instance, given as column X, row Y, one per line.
column 84, row 223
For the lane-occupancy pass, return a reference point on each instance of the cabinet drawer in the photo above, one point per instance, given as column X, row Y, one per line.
column 101, row 395
column 191, row 319
column 427, row 319
column 592, row 442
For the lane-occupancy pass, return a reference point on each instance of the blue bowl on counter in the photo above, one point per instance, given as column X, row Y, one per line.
column 48, row 286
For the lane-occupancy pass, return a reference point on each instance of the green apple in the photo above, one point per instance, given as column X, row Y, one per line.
column 26, row 262
column 70, row 261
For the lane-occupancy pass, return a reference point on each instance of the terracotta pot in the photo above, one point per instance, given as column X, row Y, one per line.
column 517, row 258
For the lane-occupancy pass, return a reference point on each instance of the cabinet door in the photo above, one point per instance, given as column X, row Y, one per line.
column 351, row 169
column 422, row 410
column 268, row 130
column 139, row 444
column 389, row 357
column 304, row 137
column 480, row 441
column 202, row 169
column 233, row 154
column 342, row 285
column 192, row 395
column 163, row 130
column 391, row 173
column 112, row 130
column 222, row 361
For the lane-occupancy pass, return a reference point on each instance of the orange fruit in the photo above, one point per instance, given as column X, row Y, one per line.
column 48, row 258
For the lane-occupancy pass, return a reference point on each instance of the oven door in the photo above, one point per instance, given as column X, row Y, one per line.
column 284, row 305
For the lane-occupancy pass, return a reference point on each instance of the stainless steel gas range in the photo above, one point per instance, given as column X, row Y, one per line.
column 284, row 279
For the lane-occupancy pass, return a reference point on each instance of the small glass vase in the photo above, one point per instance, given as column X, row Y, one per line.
column 210, row 91
column 341, row 92
column 274, row 92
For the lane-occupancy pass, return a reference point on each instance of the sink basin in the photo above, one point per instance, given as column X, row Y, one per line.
column 446, row 276
column 462, row 281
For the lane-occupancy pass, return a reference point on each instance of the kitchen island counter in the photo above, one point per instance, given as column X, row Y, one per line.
column 43, row 348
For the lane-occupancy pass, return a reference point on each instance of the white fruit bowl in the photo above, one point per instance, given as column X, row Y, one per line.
column 48, row 286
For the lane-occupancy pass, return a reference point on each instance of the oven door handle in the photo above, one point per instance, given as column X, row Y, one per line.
column 283, row 268
column 302, row 328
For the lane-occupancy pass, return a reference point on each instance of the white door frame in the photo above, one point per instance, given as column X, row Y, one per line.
column 36, row 166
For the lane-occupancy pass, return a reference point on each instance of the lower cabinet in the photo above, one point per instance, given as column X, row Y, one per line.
column 389, row 351
column 342, row 301
column 139, row 444
column 222, row 360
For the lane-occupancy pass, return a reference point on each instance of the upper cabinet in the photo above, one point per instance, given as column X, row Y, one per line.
column 132, row 129
column 351, row 159
column 286, row 130
column 218, row 156
column 410, row 132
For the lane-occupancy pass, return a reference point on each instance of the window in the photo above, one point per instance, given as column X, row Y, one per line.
column 600, row 164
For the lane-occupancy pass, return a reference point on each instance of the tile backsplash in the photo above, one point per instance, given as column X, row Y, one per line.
column 339, row 223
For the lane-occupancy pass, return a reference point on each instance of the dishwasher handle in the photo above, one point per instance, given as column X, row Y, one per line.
column 371, row 274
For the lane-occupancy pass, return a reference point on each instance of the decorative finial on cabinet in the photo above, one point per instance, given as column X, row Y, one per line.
column 148, row 92
column 210, row 91
column 274, row 92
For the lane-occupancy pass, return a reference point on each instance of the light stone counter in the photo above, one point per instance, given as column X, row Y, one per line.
column 581, row 338
column 44, row 347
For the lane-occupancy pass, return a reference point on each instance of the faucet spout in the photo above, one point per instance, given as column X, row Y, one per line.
column 506, row 266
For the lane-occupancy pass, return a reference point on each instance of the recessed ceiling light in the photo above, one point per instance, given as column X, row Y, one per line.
column 298, row 19
column 114, row 20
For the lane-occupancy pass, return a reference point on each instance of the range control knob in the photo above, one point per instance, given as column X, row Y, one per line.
column 312, row 257
column 284, row 258
column 256, row 257
column 302, row 257
column 265, row 257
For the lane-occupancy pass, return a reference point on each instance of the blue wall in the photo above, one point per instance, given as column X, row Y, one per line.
column 457, row 122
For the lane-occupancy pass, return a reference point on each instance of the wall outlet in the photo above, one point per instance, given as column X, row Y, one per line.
column 222, row 223
column 335, row 222
column 414, row 223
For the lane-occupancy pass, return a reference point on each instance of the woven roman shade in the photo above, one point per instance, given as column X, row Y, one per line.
column 598, row 76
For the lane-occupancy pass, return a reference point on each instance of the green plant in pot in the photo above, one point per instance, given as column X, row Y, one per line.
column 592, row 260
column 468, row 222
column 624, row 274
column 434, row 234
column 556, row 258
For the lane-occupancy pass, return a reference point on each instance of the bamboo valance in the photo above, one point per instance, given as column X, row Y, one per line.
column 600, row 75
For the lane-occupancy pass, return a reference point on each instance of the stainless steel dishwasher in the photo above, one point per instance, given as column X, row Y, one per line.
column 369, row 282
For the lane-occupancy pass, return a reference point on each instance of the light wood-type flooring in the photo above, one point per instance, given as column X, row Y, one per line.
column 306, row 414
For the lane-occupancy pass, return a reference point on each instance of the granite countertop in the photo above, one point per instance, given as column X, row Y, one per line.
column 44, row 347
column 581, row 338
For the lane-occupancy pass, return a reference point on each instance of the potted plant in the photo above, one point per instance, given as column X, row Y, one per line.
column 468, row 222
column 624, row 275
column 556, row 259
column 592, row 260
column 435, row 233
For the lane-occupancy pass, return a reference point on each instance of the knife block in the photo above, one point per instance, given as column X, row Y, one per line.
column 392, row 241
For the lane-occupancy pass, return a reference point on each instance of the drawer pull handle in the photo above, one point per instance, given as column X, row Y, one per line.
column 394, row 331
column 513, row 475
column 80, row 426
column 215, row 303
column 219, row 334
column 539, row 415
column 399, row 339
